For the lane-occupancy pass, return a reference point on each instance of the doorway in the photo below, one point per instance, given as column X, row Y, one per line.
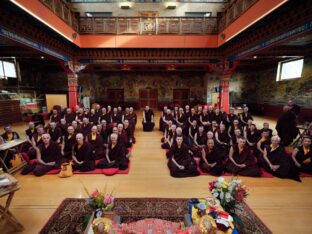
column 181, row 97
column 148, row 97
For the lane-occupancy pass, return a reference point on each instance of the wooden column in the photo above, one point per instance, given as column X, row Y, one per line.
column 72, row 90
column 224, row 95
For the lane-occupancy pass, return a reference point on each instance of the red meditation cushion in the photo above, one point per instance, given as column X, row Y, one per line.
column 110, row 171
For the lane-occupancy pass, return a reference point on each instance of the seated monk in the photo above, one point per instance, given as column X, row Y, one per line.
column 277, row 162
column 95, row 139
column 36, row 140
column 251, row 135
column 93, row 117
column 129, row 131
column 191, row 133
column 63, row 127
column 211, row 160
column 169, row 138
column 105, row 132
column 30, row 131
column 123, row 138
column 241, row 161
column 181, row 164
column 85, row 127
column 237, row 135
column 48, row 155
column 115, row 155
column 261, row 145
column 55, row 133
column 116, row 117
column 82, row 155
column 266, row 128
column 302, row 156
column 69, row 140
column 55, row 116
column 161, row 121
column 148, row 120
column 200, row 140
column 222, row 140
column 69, row 116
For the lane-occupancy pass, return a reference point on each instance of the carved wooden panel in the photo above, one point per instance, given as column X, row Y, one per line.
column 173, row 25
column 86, row 25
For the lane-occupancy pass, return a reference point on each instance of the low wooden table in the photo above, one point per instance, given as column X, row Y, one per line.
column 17, row 145
column 5, row 214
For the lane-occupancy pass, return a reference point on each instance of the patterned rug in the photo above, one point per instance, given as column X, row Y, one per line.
column 69, row 216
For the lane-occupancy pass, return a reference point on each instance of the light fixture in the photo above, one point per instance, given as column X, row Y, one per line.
column 171, row 7
column 42, row 57
column 125, row 6
column 255, row 56
column 88, row 14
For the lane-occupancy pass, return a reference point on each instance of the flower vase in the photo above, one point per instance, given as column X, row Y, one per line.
column 109, row 214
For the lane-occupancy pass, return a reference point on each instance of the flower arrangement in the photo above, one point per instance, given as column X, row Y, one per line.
column 228, row 193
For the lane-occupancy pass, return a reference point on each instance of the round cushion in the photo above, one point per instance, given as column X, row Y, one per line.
column 110, row 171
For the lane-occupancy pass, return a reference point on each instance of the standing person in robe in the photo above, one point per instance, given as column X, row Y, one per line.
column 48, row 155
column 204, row 120
column 82, row 155
column 222, row 140
column 181, row 164
column 277, row 162
column 245, row 116
column 115, row 155
column 93, row 117
column 70, row 116
column 266, row 127
column 200, row 140
column 9, row 134
column 116, row 117
column 69, row 140
column 96, row 141
column 169, row 137
column 211, row 159
column 148, row 120
column 105, row 116
column 129, row 132
column 191, row 133
column 85, row 127
column 251, row 136
column 55, row 117
column 180, row 118
column 55, row 133
column 302, row 156
column 241, row 161
column 161, row 119
column 287, row 127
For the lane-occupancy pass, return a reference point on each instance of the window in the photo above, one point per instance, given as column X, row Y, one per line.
column 7, row 69
column 290, row 69
column 99, row 14
column 197, row 14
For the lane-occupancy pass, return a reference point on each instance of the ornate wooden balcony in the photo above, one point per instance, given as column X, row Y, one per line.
column 137, row 25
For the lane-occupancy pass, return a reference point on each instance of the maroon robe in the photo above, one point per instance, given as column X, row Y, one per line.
column 97, row 146
column 70, row 117
column 301, row 156
column 85, row 129
column 83, row 154
column 55, row 134
column 244, row 157
column 116, row 154
column 183, row 158
column 213, row 156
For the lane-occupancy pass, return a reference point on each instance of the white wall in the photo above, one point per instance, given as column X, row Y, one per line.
column 160, row 7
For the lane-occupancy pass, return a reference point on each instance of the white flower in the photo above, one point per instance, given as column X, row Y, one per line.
column 220, row 179
column 222, row 195
column 228, row 195
column 216, row 194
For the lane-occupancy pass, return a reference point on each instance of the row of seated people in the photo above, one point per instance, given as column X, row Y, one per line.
column 185, row 117
column 240, row 160
column 95, row 116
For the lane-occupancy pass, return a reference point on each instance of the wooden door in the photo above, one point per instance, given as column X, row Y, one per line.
column 115, row 97
column 181, row 97
column 148, row 97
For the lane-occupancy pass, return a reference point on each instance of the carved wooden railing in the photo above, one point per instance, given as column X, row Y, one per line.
column 234, row 9
column 137, row 25
column 63, row 11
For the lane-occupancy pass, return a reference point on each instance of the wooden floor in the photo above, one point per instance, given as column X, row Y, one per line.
column 285, row 206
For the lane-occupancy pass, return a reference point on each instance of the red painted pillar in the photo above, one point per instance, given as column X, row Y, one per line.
column 72, row 90
column 224, row 92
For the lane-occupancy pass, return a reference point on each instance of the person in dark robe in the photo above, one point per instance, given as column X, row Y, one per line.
column 167, row 118
column 204, row 120
column 302, row 156
column 96, row 141
column 30, row 132
column 69, row 140
column 55, row 116
column 251, row 136
column 236, row 137
column 76, row 127
column 55, row 133
column 223, row 116
column 262, row 143
column 105, row 116
column 70, row 116
column 180, row 118
column 180, row 163
column 98, row 110
column 82, row 155
column 62, row 111
column 115, row 155
column 187, row 114
column 122, row 136
column 199, row 112
column 105, row 132
column 85, row 127
column 266, row 128
column 48, row 156
column 148, row 120
column 213, row 127
column 210, row 135
column 80, row 115
column 217, row 116
column 241, row 161
column 277, row 162
column 93, row 117
column 36, row 140
column 200, row 140
column 245, row 116
column 211, row 159
column 222, row 140
column 127, row 116
column 63, row 126
column 116, row 117
column 9, row 134
column 294, row 107
column 211, row 113
column 161, row 119
column 233, row 127
column 193, row 116
column 129, row 132
column 286, row 127
column 191, row 133
column 133, row 119
column 175, row 112
column 169, row 137
column 231, row 117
